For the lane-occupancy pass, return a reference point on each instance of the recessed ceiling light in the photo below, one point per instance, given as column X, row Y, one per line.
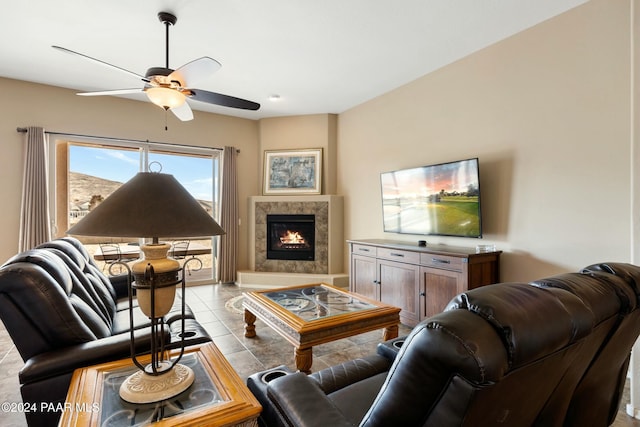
column 275, row 97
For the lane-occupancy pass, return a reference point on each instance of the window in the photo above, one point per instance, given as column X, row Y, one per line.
column 86, row 173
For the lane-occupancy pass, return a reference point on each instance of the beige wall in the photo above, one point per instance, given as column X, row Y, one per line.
column 60, row 110
column 548, row 114
column 301, row 132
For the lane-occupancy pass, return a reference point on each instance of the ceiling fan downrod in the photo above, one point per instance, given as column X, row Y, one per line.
column 167, row 19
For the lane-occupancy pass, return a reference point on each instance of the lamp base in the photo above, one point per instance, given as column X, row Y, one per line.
column 142, row 387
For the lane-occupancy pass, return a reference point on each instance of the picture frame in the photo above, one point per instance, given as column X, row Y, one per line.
column 292, row 171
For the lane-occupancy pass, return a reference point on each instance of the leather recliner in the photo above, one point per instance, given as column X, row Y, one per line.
column 548, row 353
column 63, row 313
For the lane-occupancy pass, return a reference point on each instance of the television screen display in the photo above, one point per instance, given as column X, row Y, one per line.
column 442, row 199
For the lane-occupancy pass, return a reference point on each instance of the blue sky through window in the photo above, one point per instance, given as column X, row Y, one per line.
column 194, row 173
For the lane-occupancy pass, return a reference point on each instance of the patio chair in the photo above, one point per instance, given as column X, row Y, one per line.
column 111, row 254
column 180, row 251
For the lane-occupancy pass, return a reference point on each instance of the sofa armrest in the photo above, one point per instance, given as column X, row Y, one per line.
column 120, row 285
column 343, row 375
column 391, row 348
column 302, row 403
column 66, row 360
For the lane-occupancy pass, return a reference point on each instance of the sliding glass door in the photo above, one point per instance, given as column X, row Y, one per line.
column 88, row 172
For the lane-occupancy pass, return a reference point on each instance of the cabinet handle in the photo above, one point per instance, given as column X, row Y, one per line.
column 364, row 250
column 398, row 255
column 376, row 282
column 440, row 261
column 423, row 294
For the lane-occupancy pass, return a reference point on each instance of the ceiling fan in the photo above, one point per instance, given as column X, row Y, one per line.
column 168, row 88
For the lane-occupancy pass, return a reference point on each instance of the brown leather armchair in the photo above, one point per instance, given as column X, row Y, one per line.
column 62, row 313
column 549, row 353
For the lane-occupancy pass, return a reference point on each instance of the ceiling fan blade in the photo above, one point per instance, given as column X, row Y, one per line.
column 183, row 112
column 224, row 100
column 192, row 73
column 65, row 50
column 111, row 92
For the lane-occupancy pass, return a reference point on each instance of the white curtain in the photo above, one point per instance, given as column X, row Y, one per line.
column 35, row 224
column 229, row 217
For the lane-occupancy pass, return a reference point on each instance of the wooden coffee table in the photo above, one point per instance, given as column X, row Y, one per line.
column 315, row 314
column 218, row 397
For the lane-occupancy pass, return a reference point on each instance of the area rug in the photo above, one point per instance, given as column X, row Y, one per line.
column 234, row 305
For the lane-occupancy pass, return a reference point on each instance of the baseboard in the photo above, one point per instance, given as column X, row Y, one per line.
column 262, row 279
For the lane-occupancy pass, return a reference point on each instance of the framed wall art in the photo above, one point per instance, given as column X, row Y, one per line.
column 293, row 171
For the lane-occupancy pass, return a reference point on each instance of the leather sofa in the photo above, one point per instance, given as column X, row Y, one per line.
column 553, row 352
column 63, row 313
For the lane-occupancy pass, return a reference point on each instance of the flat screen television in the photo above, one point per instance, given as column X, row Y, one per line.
column 442, row 199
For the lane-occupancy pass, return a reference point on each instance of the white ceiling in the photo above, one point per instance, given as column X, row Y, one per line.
column 320, row 56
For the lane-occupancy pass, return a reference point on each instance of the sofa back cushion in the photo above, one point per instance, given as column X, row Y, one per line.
column 520, row 313
column 50, row 298
column 89, row 283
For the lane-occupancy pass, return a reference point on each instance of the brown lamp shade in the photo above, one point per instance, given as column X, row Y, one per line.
column 149, row 205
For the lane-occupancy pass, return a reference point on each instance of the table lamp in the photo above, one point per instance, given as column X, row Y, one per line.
column 152, row 205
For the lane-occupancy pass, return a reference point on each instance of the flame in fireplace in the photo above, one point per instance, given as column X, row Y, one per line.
column 292, row 238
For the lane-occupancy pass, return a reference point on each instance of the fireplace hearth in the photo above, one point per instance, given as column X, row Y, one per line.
column 290, row 237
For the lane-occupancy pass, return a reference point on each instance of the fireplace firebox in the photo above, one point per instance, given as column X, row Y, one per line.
column 291, row 237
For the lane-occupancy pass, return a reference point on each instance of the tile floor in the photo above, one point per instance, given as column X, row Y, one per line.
column 226, row 327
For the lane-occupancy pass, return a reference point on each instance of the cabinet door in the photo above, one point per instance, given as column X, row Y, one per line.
column 364, row 276
column 439, row 287
column 399, row 286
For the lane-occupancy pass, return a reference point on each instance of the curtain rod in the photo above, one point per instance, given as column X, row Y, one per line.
column 108, row 138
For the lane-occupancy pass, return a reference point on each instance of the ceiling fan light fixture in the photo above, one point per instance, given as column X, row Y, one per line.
column 165, row 98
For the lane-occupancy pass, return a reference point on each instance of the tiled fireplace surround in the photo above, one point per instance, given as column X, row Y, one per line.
column 329, row 242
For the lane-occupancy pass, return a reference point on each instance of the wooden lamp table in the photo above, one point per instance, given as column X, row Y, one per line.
column 218, row 397
column 315, row 314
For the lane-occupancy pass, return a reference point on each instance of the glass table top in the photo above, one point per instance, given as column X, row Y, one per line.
column 316, row 302
column 117, row 412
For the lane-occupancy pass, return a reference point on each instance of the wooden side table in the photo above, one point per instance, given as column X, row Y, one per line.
column 218, row 396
